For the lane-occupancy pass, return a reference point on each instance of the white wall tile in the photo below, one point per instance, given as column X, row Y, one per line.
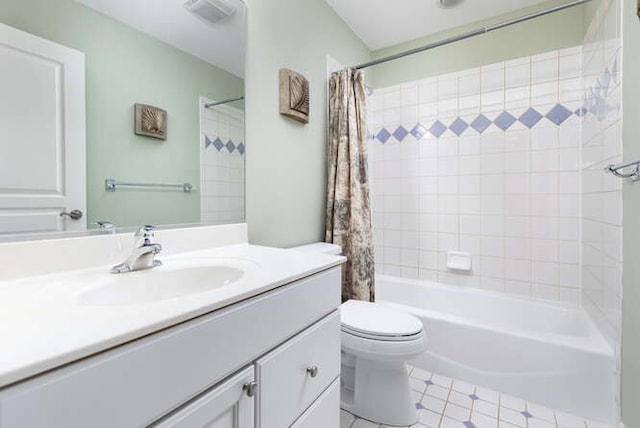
column 511, row 198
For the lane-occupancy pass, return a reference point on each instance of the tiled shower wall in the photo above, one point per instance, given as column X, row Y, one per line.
column 485, row 161
column 222, row 151
column 602, row 193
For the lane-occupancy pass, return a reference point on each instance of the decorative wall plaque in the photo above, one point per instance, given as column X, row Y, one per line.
column 294, row 95
column 150, row 121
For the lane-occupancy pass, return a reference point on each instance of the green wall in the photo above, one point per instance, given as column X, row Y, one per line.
column 556, row 31
column 286, row 161
column 631, row 224
column 123, row 67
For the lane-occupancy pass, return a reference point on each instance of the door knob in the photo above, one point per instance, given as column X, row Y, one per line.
column 313, row 371
column 73, row 214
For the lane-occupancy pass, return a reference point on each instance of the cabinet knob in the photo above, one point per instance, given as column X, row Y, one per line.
column 313, row 371
column 250, row 388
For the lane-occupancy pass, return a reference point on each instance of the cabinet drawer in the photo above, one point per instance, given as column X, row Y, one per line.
column 286, row 383
column 225, row 406
column 325, row 412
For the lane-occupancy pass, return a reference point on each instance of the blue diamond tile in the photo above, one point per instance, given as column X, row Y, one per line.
column 530, row 117
column 469, row 424
column 458, row 126
column 526, row 414
column 400, row 133
column 383, row 135
column 504, row 121
column 418, row 131
column 218, row 144
column 558, row 114
column 437, row 129
column 419, row 406
column 230, row 146
column 481, row 123
column 207, row 142
column 428, row 382
column 240, row 148
column 474, row 397
column 581, row 111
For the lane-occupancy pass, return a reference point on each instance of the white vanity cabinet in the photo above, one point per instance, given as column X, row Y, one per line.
column 286, row 340
column 225, row 406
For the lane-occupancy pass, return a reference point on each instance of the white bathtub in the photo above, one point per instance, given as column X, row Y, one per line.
column 547, row 353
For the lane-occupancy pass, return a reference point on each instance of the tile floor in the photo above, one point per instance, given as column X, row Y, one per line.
column 443, row 402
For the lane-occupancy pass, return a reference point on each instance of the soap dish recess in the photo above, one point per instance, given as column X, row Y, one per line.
column 459, row 260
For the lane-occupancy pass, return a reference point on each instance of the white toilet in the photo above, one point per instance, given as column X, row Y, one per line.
column 376, row 343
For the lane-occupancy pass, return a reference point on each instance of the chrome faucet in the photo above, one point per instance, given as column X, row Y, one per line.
column 143, row 254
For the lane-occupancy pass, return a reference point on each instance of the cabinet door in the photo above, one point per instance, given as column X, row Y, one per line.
column 294, row 375
column 325, row 412
column 227, row 405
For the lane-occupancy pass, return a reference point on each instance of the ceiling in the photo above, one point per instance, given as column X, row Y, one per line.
column 221, row 44
column 384, row 23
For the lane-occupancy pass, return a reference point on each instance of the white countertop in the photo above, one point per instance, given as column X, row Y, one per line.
column 43, row 325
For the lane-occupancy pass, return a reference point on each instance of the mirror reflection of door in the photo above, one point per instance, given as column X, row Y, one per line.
column 42, row 134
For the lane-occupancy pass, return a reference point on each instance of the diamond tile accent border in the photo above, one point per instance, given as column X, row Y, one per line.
column 505, row 120
column 229, row 145
column 439, row 406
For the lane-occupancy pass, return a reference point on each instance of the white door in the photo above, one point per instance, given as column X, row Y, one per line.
column 42, row 134
column 228, row 405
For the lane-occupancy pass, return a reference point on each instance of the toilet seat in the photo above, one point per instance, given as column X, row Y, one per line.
column 380, row 333
column 382, row 338
column 366, row 319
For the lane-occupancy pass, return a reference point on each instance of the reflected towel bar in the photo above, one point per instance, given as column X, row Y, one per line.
column 634, row 175
column 110, row 185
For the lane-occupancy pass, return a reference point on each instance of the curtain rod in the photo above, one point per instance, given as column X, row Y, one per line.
column 217, row 103
column 471, row 34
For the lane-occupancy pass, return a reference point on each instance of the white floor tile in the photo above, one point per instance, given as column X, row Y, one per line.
column 429, row 418
column 541, row 423
column 569, row 421
column 512, row 417
column 438, row 392
column 463, row 387
column 440, row 380
column 483, row 421
column 485, row 408
column 457, row 412
column 487, row 395
column 421, row 374
column 417, row 385
column 503, row 424
column 541, row 412
column 416, row 396
column 450, row 403
column 434, row 404
column 460, row 399
column 451, row 423
column 512, row 403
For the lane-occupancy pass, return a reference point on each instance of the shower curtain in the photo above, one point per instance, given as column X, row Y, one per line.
column 348, row 221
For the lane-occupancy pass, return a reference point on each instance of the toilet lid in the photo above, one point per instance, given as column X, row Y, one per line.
column 375, row 320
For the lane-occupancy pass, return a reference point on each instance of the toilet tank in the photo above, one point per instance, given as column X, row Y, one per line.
column 320, row 248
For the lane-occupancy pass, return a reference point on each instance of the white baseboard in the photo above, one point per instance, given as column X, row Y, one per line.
column 621, row 425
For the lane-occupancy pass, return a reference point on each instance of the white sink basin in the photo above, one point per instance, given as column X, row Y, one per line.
column 160, row 283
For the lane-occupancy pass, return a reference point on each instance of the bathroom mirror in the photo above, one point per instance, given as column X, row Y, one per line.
column 180, row 61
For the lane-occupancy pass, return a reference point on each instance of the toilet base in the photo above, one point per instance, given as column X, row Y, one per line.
column 377, row 391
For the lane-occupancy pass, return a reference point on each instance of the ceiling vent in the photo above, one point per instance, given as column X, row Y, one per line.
column 210, row 10
column 447, row 4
